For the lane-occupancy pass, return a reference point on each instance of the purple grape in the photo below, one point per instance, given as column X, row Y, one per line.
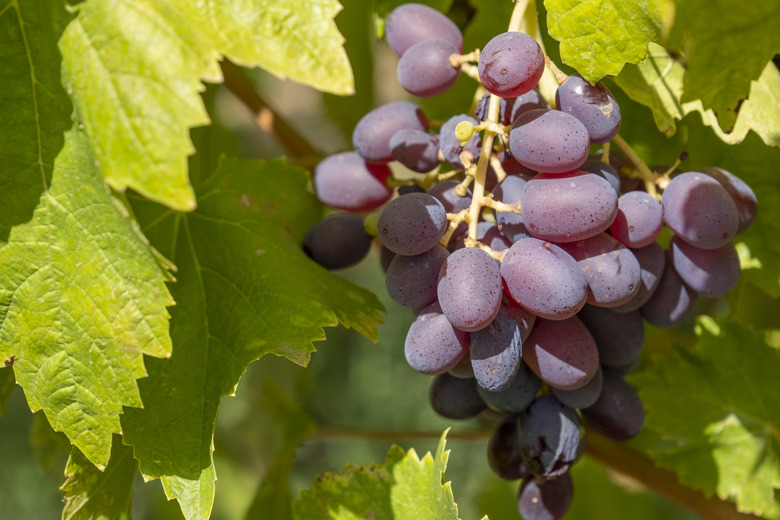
column 618, row 413
column 510, row 64
column 495, row 353
column 444, row 192
column 345, row 181
column 510, row 108
column 583, row 396
column 619, row 337
column 709, row 272
column 338, row 241
column 740, row 193
column 412, row 23
column 455, row 398
column 516, row 397
column 489, row 234
column 425, row 70
column 410, row 188
column 463, row 369
column 671, row 302
column 639, row 220
column 543, row 499
column 700, row 210
column 594, row 106
column 510, row 191
column 470, row 289
column 544, row 279
column 372, row 134
column 549, row 437
column 385, row 257
column 411, row 280
column 612, row 271
column 602, row 169
column 524, row 318
column 652, row 260
column 451, row 148
column 433, row 346
column 562, row 353
column 549, row 141
column 412, row 224
column 415, row 149
column 568, row 207
column 504, row 454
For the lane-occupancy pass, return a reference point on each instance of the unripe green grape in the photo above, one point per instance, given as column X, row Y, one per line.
column 464, row 131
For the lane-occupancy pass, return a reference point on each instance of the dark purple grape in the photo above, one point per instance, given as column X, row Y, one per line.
column 543, row 499
column 549, row 141
column 510, row 191
column 639, row 220
column 568, row 207
column 463, row 369
column 385, row 257
column 512, row 108
column 451, row 148
column 410, row 188
column 516, row 397
column 345, row 181
column 455, row 398
column 709, row 272
column 618, row 413
column 562, row 353
column 671, row 302
column 740, row 193
column 700, row 210
column 470, row 289
column 425, row 70
column 337, row 241
column 594, row 106
column 619, row 337
column 495, row 353
column 524, row 318
column 652, row 260
column 549, row 437
column 489, row 234
column 444, row 192
column 412, row 224
column 411, row 280
column 433, row 346
column 415, row 149
column 510, row 64
column 612, row 271
column 372, row 134
column 583, row 396
column 412, row 23
column 602, row 169
column 504, row 454
column 544, row 279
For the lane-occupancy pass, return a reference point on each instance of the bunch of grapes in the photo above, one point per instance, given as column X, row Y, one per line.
column 530, row 264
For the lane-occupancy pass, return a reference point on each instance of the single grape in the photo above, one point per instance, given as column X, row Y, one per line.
column 549, row 141
column 619, row 337
column 709, row 272
column 562, row 353
column 700, row 210
column 433, row 346
column 451, row 148
column 594, row 106
column 549, row 437
column 490, row 235
column 444, row 192
column 412, row 23
column 510, row 191
column 425, row 70
column 415, row 149
column 411, row 280
column 455, row 398
column 652, row 260
column 602, row 169
column 470, row 289
column 618, row 413
column 639, row 220
column 464, row 131
column 544, row 279
column 504, row 454
column 337, row 241
column 372, row 134
column 568, row 207
column 543, row 499
column 516, row 397
column 345, row 181
column 740, row 193
column 583, row 396
column 510, row 64
column 412, row 224
column 495, row 353
column 671, row 302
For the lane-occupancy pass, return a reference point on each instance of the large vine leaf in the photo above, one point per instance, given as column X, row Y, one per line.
column 36, row 110
column 598, row 37
column 404, row 488
column 244, row 289
column 720, row 415
column 82, row 298
column 726, row 49
column 134, row 68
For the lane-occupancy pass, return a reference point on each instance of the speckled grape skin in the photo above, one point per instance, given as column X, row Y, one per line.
column 415, row 149
column 516, row 397
column 594, row 106
column 671, row 302
column 709, row 272
column 524, row 318
column 618, row 414
column 455, row 398
column 652, row 260
column 372, row 134
column 495, row 353
column 549, row 141
column 568, row 207
column 639, row 220
column 344, row 181
column 700, row 210
column 619, row 337
column 581, row 397
column 562, row 353
column 602, row 169
column 412, row 23
column 510, row 64
column 411, row 280
column 740, row 193
column 549, row 436
column 412, row 224
column 612, row 271
column 425, row 70
column 544, row 279
column 469, row 288
column 433, row 346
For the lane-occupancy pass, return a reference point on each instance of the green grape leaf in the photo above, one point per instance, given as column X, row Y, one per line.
column 134, row 70
column 598, row 37
column 244, row 289
column 404, row 488
column 91, row 494
column 36, row 109
column 725, row 49
column 82, row 298
column 721, row 416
